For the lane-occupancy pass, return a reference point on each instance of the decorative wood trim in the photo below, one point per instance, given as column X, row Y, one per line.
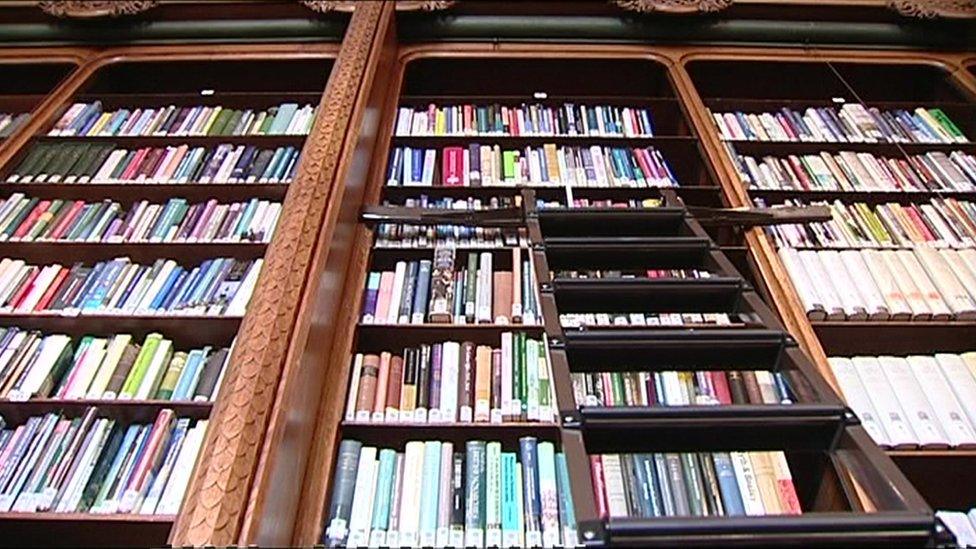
column 327, row 6
column 673, row 6
column 930, row 9
column 93, row 9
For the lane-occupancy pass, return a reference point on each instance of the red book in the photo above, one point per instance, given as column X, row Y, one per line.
column 68, row 219
column 28, row 222
column 431, row 118
column 599, row 489
column 129, row 172
column 645, row 164
column 468, row 118
column 52, row 289
column 800, row 172
column 451, row 172
column 24, row 287
column 721, row 384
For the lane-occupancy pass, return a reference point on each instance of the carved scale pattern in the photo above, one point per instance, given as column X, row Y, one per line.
column 218, row 493
column 326, row 6
column 87, row 9
column 673, row 6
column 928, row 9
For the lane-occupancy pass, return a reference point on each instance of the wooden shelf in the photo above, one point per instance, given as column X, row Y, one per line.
column 509, row 141
column 139, row 252
column 848, row 338
column 149, row 191
column 143, row 411
column 191, row 331
column 130, row 141
column 870, row 197
column 783, row 148
column 87, row 529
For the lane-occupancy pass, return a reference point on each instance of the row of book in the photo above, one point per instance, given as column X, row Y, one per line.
column 605, row 203
column 9, row 122
column 454, row 381
column 615, row 274
column 915, row 401
column 547, row 165
column 108, row 163
column 630, row 320
column 568, row 119
column 680, row 388
column 444, row 290
column 851, row 123
column 919, row 284
column 92, row 120
column 694, row 484
column 402, row 235
column 93, row 464
column 851, row 171
column 440, row 494
column 941, row 222
column 216, row 287
column 962, row 525
column 35, row 365
column 27, row 219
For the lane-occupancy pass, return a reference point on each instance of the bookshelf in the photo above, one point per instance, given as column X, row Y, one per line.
column 142, row 79
column 885, row 83
column 838, row 472
column 27, row 82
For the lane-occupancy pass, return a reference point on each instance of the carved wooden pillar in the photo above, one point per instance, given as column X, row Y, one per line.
column 217, row 496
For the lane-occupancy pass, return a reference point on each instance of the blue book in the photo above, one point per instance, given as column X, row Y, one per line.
column 421, row 295
column 269, row 170
column 176, row 290
column 667, row 494
column 246, row 216
column 528, row 451
column 731, row 497
column 384, row 491
column 133, row 282
column 117, row 121
column 567, row 513
column 106, row 279
column 188, row 286
column 86, row 118
column 90, row 281
column 213, row 288
column 510, row 517
column 281, row 169
column 642, row 501
column 167, row 286
column 189, row 370
column 416, row 165
column 475, row 494
column 207, row 271
column 430, row 493
column 289, row 172
column 127, row 440
column 394, row 173
column 744, row 125
column 286, row 111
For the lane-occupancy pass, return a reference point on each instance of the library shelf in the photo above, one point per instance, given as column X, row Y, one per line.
column 149, row 191
column 87, row 529
column 509, row 141
column 852, row 337
column 143, row 411
column 870, row 197
column 186, row 253
column 189, row 330
column 782, row 148
column 266, row 141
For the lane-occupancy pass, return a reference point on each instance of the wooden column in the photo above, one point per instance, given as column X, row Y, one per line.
column 218, row 494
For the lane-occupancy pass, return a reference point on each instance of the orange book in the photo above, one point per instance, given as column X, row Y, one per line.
column 394, row 384
column 482, row 384
column 502, row 294
column 383, row 378
column 367, row 384
column 789, row 502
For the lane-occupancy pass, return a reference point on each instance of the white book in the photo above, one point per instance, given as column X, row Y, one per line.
column 39, row 287
column 961, row 380
column 895, row 301
column 362, row 502
column 745, row 477
column 451, row 357
column 39, row 371
column 93, row 358
column 874, row 302
column 493, row 494
column 238, row 303
column 16, row 483
column 840, row 278
column 532, row 379
column 913, row 295
column 940, row 310
column 613, row 479
column 507, row 375
column 430, row 163
column 483, row 296
column 966, row 275
column 960, row 303
column 172, row 497
column 76, row 485
column 918, row 410
column 155, row 371
column 890, row 413
column 353, row 392
column 396, row 294
column 951, row 414
column 413, row 472
column 155, row 492
column 805, row 289
column 821, row 280
column 960, row 526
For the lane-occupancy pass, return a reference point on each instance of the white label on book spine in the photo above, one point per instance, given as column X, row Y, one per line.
column 428, row 539
column 474, row 537
column 443, row 537
column 533, row 538
column 493, row 537
column 377, row 417
column 457, row 538
column 465, row 414
column 363, row 416
column 392, row 415
column 420, row 415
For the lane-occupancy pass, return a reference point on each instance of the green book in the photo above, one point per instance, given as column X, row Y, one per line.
column 694, row 484
column 88, row 213
column 85, row 153
column 97, row 160
column 122, row 165
column 474, row 495
column 232, row 122
column 382, row 500
column 71, row 155
column 44, row 220
column 510, row 505
column 545, row 386
column 30, row 162
column 518, row 378
column 532, row 378
column 508, row 162
column 172, row 374
column 617, row 390
column 946, row 122
column 20, row 217
column 47, row 158
column 102, row 468
column 138, row 371
column 268, row 121
column 220, row 122
column 12, row 213
column 471, row 288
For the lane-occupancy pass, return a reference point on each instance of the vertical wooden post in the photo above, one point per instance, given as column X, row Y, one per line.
column 217, row 497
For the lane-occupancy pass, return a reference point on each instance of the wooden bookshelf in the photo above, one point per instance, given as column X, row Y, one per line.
column 823, row 452
column 882, row 81
column 240, row 77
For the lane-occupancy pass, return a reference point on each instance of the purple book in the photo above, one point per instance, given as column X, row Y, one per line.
column 369, row 300
column 436, row 359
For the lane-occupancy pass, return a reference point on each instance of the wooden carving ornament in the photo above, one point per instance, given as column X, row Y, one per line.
column 929, row 9
column 326, row 6
column 673, row 6
column 90, row 9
